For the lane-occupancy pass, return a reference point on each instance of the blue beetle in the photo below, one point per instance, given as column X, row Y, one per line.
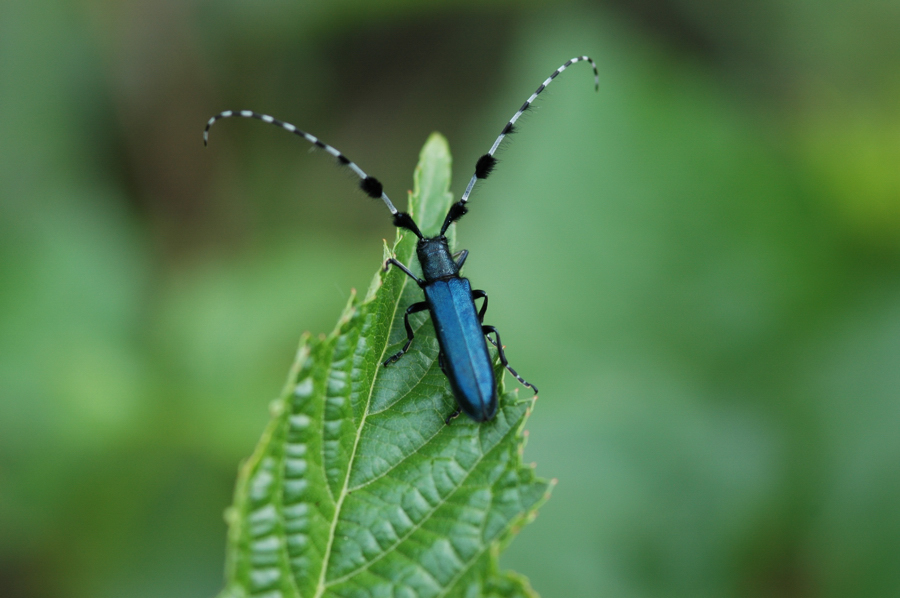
column 449, row 298
column 460, row 330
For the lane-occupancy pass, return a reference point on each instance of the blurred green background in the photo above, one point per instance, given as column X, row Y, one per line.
column 699, row 266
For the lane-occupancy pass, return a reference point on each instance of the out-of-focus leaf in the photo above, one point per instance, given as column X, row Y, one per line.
column 358, row 487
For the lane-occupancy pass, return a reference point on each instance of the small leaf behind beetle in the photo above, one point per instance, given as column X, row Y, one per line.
column 357, row 487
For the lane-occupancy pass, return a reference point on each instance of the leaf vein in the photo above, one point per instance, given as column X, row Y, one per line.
column 428, row 514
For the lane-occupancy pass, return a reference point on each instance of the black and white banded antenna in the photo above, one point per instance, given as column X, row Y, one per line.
column 370, row 185
column 487, row 162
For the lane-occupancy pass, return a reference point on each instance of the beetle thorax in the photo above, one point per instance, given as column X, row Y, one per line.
column 434, row 256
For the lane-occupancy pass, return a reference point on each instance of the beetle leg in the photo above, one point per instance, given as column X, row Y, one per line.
column 460, row 258
column 452, row 416
column 481, row 295
column 487, row 330
column 441, row 363
column 412, row 309
column 387, row 266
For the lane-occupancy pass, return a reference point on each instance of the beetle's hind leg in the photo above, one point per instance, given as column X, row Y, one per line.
column 443, row 366
column 452, row 416
column 412, row 309
column 488, row 330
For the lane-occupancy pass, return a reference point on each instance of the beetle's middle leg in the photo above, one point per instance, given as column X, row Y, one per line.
column 412, row 309
column 481, row 295
column 487, row 330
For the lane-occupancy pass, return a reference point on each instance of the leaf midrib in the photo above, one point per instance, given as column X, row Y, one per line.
column 321, row 585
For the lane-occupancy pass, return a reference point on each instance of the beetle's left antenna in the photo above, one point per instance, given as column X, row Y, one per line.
column 370, row 185
column 487, row 162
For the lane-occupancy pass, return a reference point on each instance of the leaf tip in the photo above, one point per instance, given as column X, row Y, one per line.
column 436, row 142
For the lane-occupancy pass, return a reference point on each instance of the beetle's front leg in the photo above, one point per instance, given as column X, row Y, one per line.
column 387, row 266
column 460, row 258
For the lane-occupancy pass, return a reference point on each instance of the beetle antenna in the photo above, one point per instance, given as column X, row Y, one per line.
column 370, row 185
column 487, row 162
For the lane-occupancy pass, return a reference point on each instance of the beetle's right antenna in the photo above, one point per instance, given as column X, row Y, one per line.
column 487, row 162
column 370, row 185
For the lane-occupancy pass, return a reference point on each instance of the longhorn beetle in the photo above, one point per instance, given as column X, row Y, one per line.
column 461, row 332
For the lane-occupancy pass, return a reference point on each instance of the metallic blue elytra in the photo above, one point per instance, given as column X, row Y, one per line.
column 465, row 358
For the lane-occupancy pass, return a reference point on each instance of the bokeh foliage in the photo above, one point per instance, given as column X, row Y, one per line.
column 698, row 266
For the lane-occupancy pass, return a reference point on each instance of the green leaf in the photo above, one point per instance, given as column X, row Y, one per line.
column 357, row 487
